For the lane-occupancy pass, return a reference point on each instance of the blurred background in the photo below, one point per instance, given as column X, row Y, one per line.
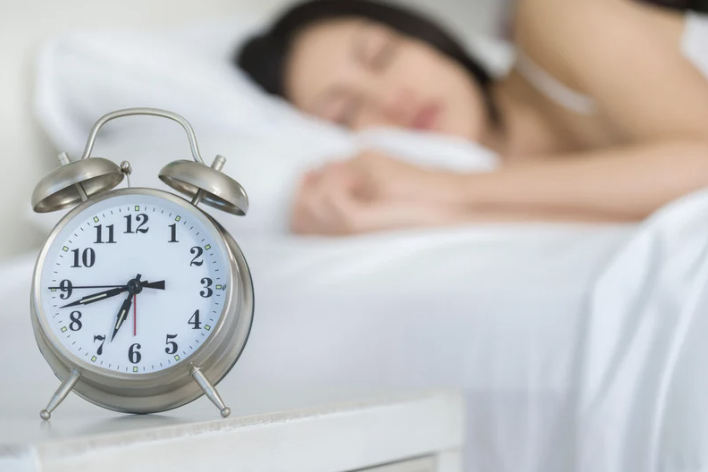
column 25, row 25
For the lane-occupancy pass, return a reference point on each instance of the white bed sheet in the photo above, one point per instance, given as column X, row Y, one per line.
column 642, row 383
column 578, row 347
column 493, row 310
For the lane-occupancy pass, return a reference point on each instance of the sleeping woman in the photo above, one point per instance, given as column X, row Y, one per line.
column 603, row 118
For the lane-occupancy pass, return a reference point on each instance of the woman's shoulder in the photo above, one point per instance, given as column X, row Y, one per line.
column 572, row 40
column 625, row 55
column 556, row 33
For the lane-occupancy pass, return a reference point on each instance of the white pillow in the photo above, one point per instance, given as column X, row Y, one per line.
column 82, row 76
column 85, row 75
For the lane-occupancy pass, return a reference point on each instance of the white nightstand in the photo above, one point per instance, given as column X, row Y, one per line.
column 268, row 431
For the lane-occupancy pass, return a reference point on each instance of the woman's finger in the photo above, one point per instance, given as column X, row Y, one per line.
column 304, row 219
column 313, row 212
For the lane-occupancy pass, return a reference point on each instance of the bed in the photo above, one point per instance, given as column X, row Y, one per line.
column 496, row 312
column 577, row 347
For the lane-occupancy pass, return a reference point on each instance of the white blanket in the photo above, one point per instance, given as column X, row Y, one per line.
column 578, row 347
column 642, row 373
column 495, row 311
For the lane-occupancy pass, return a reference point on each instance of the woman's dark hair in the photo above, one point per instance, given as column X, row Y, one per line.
column 264, row 56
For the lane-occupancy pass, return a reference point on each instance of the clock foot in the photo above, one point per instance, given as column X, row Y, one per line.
column 210, row 391
column 60, row 394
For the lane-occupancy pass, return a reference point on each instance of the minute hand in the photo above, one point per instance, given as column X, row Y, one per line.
column 97, row 297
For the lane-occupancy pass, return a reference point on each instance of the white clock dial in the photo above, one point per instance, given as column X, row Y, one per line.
column 135, row 283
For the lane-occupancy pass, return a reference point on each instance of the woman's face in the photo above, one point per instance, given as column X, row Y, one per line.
column 362, row 75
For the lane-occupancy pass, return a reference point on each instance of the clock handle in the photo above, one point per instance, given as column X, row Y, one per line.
column 60, row 394
column 210, row 391
column 144, row 111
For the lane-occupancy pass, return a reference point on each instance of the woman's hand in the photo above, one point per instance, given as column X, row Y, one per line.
column 354, row 197
column 376, row 193
column 381, row 177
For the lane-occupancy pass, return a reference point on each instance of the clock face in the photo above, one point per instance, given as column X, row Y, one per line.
column 135, row 283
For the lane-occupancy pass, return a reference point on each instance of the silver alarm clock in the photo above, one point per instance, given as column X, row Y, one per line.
column 141, row 302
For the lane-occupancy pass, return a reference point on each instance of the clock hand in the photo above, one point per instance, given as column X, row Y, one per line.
column 97, row 297
column 122, row 314
column 74, row 287
column 124, row 308
column 135, row 315
column 156, row 285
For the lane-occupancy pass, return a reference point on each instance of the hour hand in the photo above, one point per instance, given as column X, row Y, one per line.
column 97, row 297
column 122, row 314
column 156, row 285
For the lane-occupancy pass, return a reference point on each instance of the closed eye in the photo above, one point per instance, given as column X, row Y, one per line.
column 374, row 47
column 384, row 55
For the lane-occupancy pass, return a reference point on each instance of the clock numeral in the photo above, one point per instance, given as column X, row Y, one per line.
column 75, row 324
column 100, row 347
column 134, row 355
column 171, row 345
column 206, row 281
column 198, row 251
column 173, row 233
column 142, row 220
column 99, row 234
column 67, row 289
column 88, row 257
column 194, row 321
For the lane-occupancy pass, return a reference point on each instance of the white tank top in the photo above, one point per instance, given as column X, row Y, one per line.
column 695, row 41
column 694, row 46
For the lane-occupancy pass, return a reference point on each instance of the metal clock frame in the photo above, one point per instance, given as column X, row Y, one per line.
column 89, row 181
column 171, row 387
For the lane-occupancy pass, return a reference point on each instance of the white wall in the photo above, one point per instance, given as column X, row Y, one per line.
column 26, row 156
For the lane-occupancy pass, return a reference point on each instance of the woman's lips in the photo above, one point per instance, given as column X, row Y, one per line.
column 426, row 117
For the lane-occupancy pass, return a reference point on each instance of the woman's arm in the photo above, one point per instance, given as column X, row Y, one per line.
column 652, row 97
column 329, row 202
column 627, row 183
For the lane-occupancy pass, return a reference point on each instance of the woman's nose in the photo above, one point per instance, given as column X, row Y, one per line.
column 398, row 105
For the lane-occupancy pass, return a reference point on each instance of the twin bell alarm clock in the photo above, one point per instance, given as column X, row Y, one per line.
column 141, row 302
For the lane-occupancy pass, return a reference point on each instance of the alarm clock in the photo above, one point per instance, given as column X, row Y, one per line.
column 140, row 302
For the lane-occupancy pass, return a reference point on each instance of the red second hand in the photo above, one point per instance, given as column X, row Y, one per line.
column 135, row 314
